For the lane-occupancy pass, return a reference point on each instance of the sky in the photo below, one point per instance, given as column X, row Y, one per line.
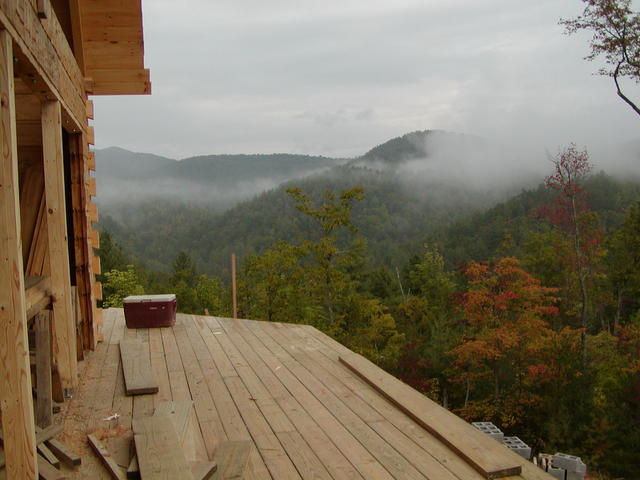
column 336, row 78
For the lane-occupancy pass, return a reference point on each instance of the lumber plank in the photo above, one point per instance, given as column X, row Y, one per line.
column 231, row 459
column 44, row 434
column 15, row 394
column 44, row 411
column 46, row 471
column 203, row 470
column 159, row 453
column 105, row 457
column 65, row 455
column 136, row 365
column 264, row 362
column 181, row 414
column 481, row 452
column 63, row 326
column 48, row 455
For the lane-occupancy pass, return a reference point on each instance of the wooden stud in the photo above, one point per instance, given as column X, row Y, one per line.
column 16, row 401
column 46, row 471
column 44, row 412
column 106, row 458
column 82, row 248
column 65, row 455
column 64, row 331
column 48, row 455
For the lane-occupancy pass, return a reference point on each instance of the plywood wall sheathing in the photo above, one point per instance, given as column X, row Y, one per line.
column 15, row 396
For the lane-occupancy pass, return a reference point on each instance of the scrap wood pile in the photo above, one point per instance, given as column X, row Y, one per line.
column 162, row 445
column 51, row 454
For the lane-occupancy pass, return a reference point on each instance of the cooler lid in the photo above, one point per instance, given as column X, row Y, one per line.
column 169, row 297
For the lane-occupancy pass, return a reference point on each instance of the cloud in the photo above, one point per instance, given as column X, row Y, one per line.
column 337, row 77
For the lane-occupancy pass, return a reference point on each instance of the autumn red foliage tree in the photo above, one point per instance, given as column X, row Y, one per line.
column 506, row 311
column 580, row 235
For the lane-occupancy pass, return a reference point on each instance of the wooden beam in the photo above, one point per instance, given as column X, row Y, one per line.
column 46, row 471
column 91, row 187
column 75, row 12
column 65, row 455
column 44, row 412
column 121, row 82
column 105, row 457
column 92, row 212
column 37, row 294
column 81, row 246
column 16, row 400
column 90, row 109
column 91, row 137
column 480, row 451
column 95, row 264
column 94, row 238
column 64, row 331
column 44, row 57
column 91, row 161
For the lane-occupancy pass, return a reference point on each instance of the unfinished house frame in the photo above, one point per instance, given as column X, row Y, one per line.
column 53, row 54
column 256, row 400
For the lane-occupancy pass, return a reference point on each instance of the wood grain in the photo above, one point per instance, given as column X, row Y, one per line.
column 158, row 449
column 136, row 365
column 483, row 453
column 15, row 395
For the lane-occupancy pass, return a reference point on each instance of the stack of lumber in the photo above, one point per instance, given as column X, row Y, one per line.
column 162, row 445
column 51, row 453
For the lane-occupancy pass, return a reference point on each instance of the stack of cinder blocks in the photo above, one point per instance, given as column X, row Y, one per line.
column 490, row 429
column 562, row 466
column 574, row 467
column 518, row 446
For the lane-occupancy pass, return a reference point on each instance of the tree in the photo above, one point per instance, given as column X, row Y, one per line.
column 616, row 37
column 507, row 312
column 572, row 217
column 120, row 284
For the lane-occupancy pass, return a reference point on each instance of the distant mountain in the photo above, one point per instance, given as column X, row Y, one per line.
column 219, row 181
column 415, row 186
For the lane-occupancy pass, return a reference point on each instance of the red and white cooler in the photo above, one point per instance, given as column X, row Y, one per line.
column 148, row 311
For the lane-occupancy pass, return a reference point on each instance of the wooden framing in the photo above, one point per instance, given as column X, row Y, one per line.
column 15, row 395
column 64, row 338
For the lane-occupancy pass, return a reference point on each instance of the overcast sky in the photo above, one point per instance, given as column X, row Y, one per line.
column 339, row 77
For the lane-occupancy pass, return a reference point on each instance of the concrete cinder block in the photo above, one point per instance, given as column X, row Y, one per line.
column 570, row 463
column 575, row 476
column 488, row 428
column 558, row 473
column 518, row 446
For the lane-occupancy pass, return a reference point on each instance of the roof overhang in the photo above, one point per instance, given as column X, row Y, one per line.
column 112, row 46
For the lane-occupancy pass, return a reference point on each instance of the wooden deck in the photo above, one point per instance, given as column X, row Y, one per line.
column 280, row 386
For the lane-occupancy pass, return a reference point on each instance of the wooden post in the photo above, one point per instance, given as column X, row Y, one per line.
column 63, row 327
column 234, row 295
column 44, row 413
column 16, row 402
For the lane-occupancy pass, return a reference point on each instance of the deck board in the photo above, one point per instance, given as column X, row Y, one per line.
column 281, row 387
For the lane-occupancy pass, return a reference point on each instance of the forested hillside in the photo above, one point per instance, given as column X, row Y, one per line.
column 518, row 308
